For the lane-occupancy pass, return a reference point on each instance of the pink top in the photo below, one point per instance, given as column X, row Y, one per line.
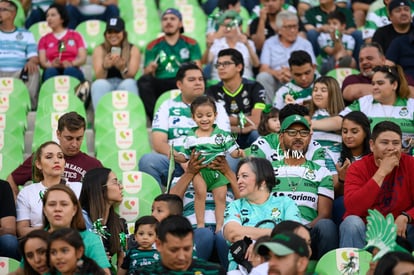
column 72, row 42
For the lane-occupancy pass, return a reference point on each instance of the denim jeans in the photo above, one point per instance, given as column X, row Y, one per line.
column 324, row 237
column 207, row 240
column 156, row 165
column 101, row 87
column 338, row 210
column 76, row 17
column 352, row 232
column 9, row 246
column 70, row 71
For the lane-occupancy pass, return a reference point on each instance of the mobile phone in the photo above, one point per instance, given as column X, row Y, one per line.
column 24, row 75
column 116, row 50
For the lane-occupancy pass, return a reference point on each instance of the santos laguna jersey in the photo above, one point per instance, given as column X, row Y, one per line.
column 303, row 184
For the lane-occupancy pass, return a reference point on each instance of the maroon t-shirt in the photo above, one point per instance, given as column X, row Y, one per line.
column 75, row 168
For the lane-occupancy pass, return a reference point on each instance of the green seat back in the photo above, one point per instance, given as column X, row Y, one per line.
column 60, row 83
column 20, row 18
column 141, row 31
column 165, row 96
column 340, row 261
column 8, row 265
column 93, row 32
column 341, row 73
column 140, row 190
column 39, row 29
column 129, row 10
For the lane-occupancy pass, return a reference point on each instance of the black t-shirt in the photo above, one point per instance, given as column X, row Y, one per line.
column 7, row 206
column 385, row 35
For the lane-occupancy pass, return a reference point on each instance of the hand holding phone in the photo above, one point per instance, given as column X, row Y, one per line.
column 116, row 51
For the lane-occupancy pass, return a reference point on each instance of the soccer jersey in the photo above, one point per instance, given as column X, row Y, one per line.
column 268, row 147
column 331, row 141
column 174, row 118
column 249, row 96
column 65, row 48
column 16, row 48
column 298, row 93
column 136, row 258
column 303, row 184
column 317, row 17
column 325, row 40
column 170, row 57
column 401, row 113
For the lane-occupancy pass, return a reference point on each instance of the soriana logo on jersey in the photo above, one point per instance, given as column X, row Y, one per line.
column 6, row 85
column 62, row 84
column 124, row 138
column 127, row 159
column 60, row 101
column 132, row 182
column 4, row 102
column 120, row 119
column 120, row 99
column 129, row 209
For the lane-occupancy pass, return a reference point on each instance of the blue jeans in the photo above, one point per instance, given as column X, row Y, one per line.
column 76, row 17
column 312, row 36
column 101, row 87
column 70, row 71
column 9, row 246
column 156, row 165
column 338, row 210
column 207, row 240
column 246, row 140
column 324, row 237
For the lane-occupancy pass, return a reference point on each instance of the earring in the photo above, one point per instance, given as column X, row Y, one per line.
column 79, row 263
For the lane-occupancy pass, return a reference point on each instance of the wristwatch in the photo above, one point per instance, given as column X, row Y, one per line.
column 410, row 220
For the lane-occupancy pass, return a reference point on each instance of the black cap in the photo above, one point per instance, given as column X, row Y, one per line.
column 397, row 3
column 115, row 24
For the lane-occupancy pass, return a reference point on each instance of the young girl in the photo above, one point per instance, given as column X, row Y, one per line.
column 211, row 141
column 33, row 248
column 269, row 121
column 327, row 101
column 145, row 254
column 66, row 254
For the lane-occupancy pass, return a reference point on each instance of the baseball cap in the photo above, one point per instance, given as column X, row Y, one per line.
column 174, row 12
column 284, row 244
column 292, row 120
column 115, row 24
column 396, row 3
column 230, row 14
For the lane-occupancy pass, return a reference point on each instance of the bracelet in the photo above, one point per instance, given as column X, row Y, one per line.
column 410, row 220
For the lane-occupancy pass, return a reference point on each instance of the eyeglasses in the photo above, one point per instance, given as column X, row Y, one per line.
column 290, row 27
column 114, row 181
column 293, row 132
column 225, row 64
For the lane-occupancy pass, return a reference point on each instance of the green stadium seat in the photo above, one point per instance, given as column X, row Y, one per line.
column 93, row 33
column 39, row 29
column 8, row 265
column 165, row 96
column 141, row 31
column 344, row 261
column 341, row 73
column 61, row 84
column 129, row 10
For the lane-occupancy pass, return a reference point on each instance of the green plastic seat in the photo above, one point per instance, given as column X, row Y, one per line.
column 129, row 10
column 8, row 265
column 341, row 73
column 60, row 83
column 165, row 96
column 140, row 190
column 344, row 261
column 195, row 23
column 93, row 33
column 20, row 18
column 141, row 31
column 165, row 4
column 39, row 29
column 9, row 161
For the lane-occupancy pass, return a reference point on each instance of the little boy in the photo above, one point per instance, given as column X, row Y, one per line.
column 337, row 46
column 165, row 205
column 145, row 253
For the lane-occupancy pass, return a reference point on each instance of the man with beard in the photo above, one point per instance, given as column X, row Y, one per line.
column 307, row 183
column 163, row 57
column 400, row 17
column 356, row 86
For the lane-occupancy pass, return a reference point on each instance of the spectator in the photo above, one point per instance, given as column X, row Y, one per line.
column 165, row 205
column 214, row 29
column 269, row 121
column 18, row 51
column 8, row 239
column 209, row 5
column 172, row 122
column 299, row 89
column 257, row 211
column 232, row 38
column 288, row 254
column 337, row 46
column 175, row 245
column 33, row 248
column 274, row 71
column 209, row 240
column 70, row 133
column 326, row 102
column 371, row 183
column 400, row 16
column 62, row 51
column 36, row 10
column 163, row 58
column 48, row 167
column 395, row 263
column 243, row 99
column 82, row 10
column 307, row 183
column 101, row 191
column 67, row 253
column 115, row 62
column 316, row 20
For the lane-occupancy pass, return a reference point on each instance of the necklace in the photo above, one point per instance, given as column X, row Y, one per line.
column 294, row 185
